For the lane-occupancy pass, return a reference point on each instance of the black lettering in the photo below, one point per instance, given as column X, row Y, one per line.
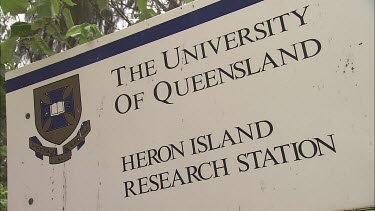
column 129, row 188
column 301, row 17
column 246, row 168
column 197, row 79
column 255, row 158
column 142, row 184
column 270, row 61
column 281, row 147
column 118, row 73
column 117, row 102
column 270, row 126
column 224, row 167
column 301, row 152
column 169, row 92
column 318, row 49
column 262, row 31
column 271, row 157
column 244, row 36
column 166, row 63
column 320, row 141
column 282, row 24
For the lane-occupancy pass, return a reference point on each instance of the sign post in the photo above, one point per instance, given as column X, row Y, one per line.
column 218, row 105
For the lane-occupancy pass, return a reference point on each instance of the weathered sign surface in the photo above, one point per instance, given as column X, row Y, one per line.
column 219, row 105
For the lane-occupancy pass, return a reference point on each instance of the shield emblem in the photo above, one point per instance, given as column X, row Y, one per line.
column 58, row 108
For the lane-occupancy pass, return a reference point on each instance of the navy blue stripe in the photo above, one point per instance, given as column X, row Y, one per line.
column 138, row 39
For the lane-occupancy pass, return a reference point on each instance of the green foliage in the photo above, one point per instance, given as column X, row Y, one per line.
column 84, row 32
column 39, row 44
column 68, row 18
column 48, row 8
column 3, row 190
column 7, row 50
column 2, row 100
column 20, row 29
column 145, row 13
column 3, row 148
column 3, row 151
column 69, row 3
column 14, row 7
column 3, row 198
column 102, row 4
column 142, row 5
column 51, row 24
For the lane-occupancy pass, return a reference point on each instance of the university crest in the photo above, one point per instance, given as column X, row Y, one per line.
column 57, row 108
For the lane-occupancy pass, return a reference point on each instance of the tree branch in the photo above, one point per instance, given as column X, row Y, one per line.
column 119, row 12
column 161, row 5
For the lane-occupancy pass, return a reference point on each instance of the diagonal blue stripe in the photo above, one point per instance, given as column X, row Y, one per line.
column 138, row 39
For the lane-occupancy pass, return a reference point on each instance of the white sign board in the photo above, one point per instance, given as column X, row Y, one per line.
column 218, row 105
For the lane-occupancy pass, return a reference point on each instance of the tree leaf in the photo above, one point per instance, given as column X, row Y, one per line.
column 57, row 31
column 20, row 29
column 3, row 152
column 55, row 7
column 102, row 4
column 86, row 32
column 14, row 7
column 83, row 40
column 146, row 14
column 2, row 96
column 68, row 18
column 31, row 11
column 69, row 3
column 74, row 31
column 7, row 50
column 151, row 12
column 38, row 24
column 44, row 9
column 48, row 8
column 42, row 45
column 50, row 30
column 142, row 5
column 95, row 30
